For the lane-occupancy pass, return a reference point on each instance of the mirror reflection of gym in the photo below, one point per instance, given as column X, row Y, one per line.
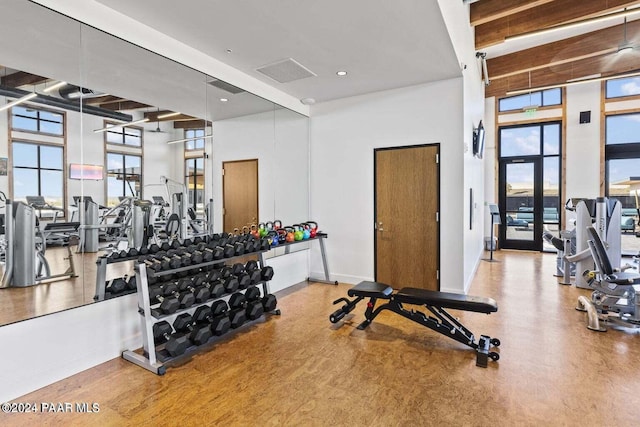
column 86, row 189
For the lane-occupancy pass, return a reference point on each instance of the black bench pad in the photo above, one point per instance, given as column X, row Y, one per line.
column 446, row 300
column 371, row 290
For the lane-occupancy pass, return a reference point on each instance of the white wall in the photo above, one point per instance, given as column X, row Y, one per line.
column 344, row 134
column 65, row 343
column 583, row 141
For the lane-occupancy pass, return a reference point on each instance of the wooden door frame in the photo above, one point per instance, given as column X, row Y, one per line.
column 375, row 204
column 257, row 187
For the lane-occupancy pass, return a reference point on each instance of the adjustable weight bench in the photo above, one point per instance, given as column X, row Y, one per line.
column 435, row 302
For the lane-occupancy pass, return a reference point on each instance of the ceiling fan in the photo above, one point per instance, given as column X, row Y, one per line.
column 157, row 129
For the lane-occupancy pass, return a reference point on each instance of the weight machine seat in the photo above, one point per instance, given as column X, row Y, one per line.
column 446, row 300
column 371, row 290
column 62, row 226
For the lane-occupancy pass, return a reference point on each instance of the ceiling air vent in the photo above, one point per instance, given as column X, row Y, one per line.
column 286, row 71
column 227, row 87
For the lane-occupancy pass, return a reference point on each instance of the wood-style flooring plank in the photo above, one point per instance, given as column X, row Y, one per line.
column 300, row 370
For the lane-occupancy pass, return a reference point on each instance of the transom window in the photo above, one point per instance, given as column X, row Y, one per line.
column 123, row 135
column 619, row 88
column 544, row 98
column 31, row 119
column 195, row 144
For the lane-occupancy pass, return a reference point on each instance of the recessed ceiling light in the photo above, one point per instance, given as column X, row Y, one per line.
column 223, row 99
column 341, row 73
column 308, row 101
column 229, row 50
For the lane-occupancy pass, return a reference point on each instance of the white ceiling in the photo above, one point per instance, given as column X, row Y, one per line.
column 381, row 45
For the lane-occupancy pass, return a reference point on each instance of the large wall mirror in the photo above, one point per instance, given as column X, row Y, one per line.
column 88, row 116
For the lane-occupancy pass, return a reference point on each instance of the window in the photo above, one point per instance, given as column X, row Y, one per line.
column 38, row 171
column 196, row 144
column 622, row 129
column 622, row 170
column 31, row 119
column 194, row 180
column 544, row 98
column 619, row 88
column 124, row 177
column 123, row 135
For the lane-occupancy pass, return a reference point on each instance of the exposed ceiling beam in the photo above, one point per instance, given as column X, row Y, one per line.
column 123, row 105
column 71, row 105
column 590, row 45
column 153, row 116
column 22, row 78
column 490, row 10
column 546, row 15
column 190, row 124
column 606, row 65
column 104, row 99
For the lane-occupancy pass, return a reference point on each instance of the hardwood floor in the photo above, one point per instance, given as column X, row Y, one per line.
column 20, row 303
column 299, row 369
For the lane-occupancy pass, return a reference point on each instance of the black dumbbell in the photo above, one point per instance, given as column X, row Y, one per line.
column 255, row 308
column 165, row 246
column 206, row 314
column 264, row 244
column 198, row 333
column 252, row 293
column 132, row 252
column 218, row 252
column 115, row 255
column 143, row 250
column 237, row 268
column 187, row 242
column 229, row 251
column 153, row 263
column 215, row 285
column 197, row 240
column 167, row 292
column 131, row 283
column 168, row 304
column 174, row 260
column 154, row 248
column 253, row 270
column 200, row 293
column 237, row 300
column 177, row 343
column 117, row 285
column 269, row 302
column 266, row 273
column 237, row 314
column 248, row 246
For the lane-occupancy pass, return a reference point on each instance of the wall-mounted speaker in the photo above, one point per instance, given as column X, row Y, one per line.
column 585, row 117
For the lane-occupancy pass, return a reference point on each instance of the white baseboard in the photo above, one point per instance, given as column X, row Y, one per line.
column 342, row 278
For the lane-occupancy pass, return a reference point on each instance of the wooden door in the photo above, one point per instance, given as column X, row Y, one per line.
column 239, row 193
column 407, row 232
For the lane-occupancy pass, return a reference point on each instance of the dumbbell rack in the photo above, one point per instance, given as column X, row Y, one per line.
column 320, row 238
column 157, row 361
column 101, row 275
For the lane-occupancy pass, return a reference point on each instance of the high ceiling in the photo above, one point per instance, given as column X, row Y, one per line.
column 380, row 45
column 587, row 48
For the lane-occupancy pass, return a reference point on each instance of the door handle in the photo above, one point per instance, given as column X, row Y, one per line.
column 379, row 227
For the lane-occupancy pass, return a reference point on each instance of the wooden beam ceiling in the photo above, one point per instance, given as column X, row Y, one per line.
column 153, row 116
column 542, row 16
column 590, row 45
column 190, row 124
column 123, row 105
column 490, row 10
column 22, row 78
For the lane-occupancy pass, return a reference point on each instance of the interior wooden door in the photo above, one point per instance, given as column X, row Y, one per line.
column 239, row 193
column 407, row 237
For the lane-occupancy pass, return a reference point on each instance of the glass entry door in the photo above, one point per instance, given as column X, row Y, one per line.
column 521, row 204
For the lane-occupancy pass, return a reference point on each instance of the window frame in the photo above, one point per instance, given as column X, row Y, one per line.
column 123, row 154
column 542, row 106
column 619, row 98
column 38, row 120
column 108, row 123
column 196, row 149
column 39, row 144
